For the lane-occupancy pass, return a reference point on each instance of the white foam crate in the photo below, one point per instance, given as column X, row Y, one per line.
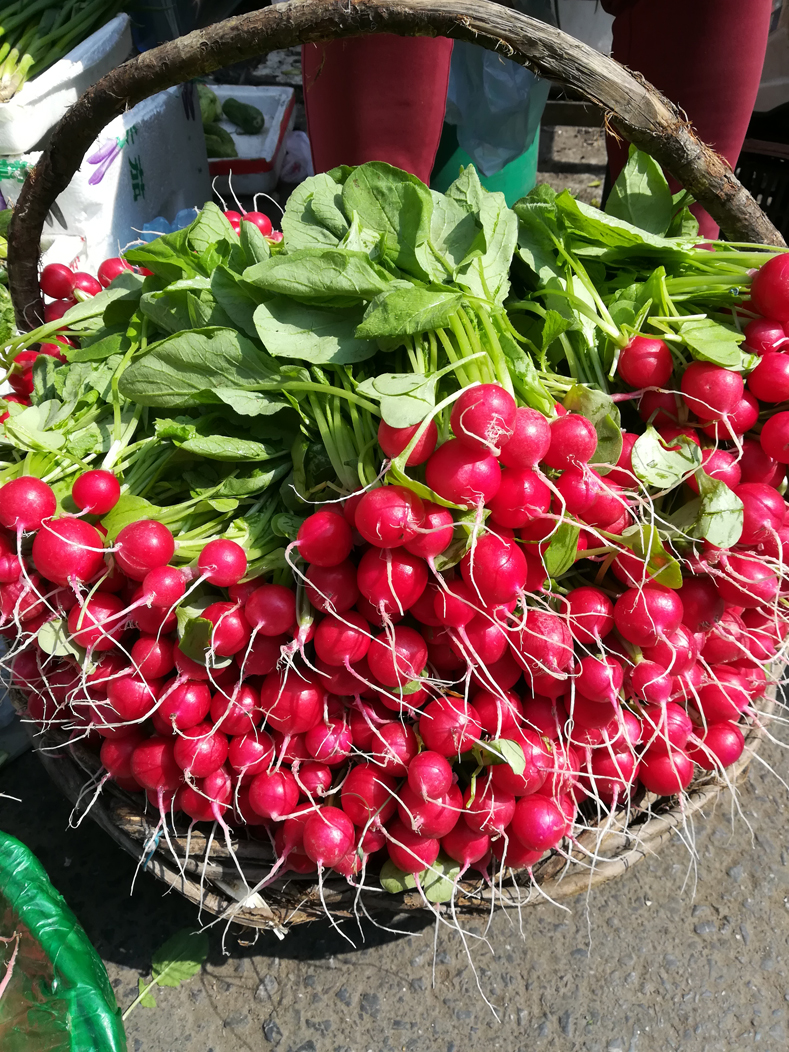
column 257, row 167
column 27, row 118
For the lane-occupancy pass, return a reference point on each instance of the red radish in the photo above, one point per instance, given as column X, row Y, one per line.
column 711, row 391
column 56, row 281
column 661, row 408
column 511, row 853
column 86, row 283
column 434, row 534
column 449, row 726
column 366, row 718
column 251, row 753
column 68, row 549
column 271, row 610
column 429, row 775
column 611, row 776
column 393, row 747
column 154, row 766
column 599, row 679
column 314, row 778
column 774, row 438
column 756, row 466
column 10, row 563
column 329, row 742
column 26, row 502
column 578, row 488
column 238, row 714
column 645, row 615
column 463, row 476
column 200, row 750
column 290, row 748
column 650, row 682
column 573, row 442
column 544, row 644
column 702, row 605
column 116, row 754
column 183, row 705
column 591, row 715
column 770, row 289
column 260, row 220
column 521, row 497
column 622, row 472
column 769, row 381
column 292, row 703
column 21, row 600
column 537, row 764
column 763, row 336
column 143, row 546
column 483, row 419
column 368, row 796
column 538, row 823
column 465, row 846
column 763, row 511
column 163, row 587
column 328, row 835
column 96, row 492
column 665, row 773
column 240, row 592
column 152, row 658
column 724, row 697
column 324, row 539
column 498, row 713
column 665, row 726
column 21, row 378
column 529, row 441
column 332, row 588
column 262, row 656
column 397, row 660
column 590, row 614
column 231, row 631
column 747, row 582
column 741, row 419
column 55, row 310
column 495, row 569
column 484, row 642
column 720, row 465
column 340, row 680
column 645, row 362
column 410, row 852
column 677, row 651
column 234, row 219
column 489, row 809
column 608, row 506
column 342, row 640
column 430, row 818
column 110, row 269
column 222, row 562
column 209, row 798
column 274, row 795
column 391, row 580
column 393, row 440
column 721, row 745
column 389, row 516
column 96, row 624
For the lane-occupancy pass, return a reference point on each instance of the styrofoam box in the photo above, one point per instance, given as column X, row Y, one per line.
column 149, row 162
column 27, row 118
column 257, row 167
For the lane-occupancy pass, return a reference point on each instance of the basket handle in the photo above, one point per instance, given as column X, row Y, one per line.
column 634, row 108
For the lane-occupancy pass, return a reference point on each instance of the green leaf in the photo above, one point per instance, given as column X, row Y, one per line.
column 603, row 412
column 562, row 549
column 439, row 882
column 185, row 369
column 502, row 750
column 129, row 509
column 721, row 514
column 169, row 257
column 321, row 276
column 656, row 465
column 644, row 540
column 537, row 228
column 235, row 296
column 607, row 230
column 554, row 325
column 303, row 223
column 106, row 347
column 180, row 957
column 312, row 334
column 394, row 881
column 253, row 244
column 396, row 205
column 54, row 638
column 407, row 311
column 488, row 274
column 455, row 234
column 712, row 342
column 147, row 1000
column 641, row 195
column 195, row 638
column 403, row 396
column 186, row 304
column 250, row 403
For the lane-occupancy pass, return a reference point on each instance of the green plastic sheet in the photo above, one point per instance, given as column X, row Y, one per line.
column 58, row 997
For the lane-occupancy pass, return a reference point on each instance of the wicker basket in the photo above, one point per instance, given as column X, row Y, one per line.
column 204, row 871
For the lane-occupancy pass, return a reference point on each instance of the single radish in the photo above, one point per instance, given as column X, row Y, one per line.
column 56, row 281
column 757, row 466
column 429, row 775
column 262, row 655
column 724, row 697
column 291, row 702
column 260, row 220
column 677, row 651
column 464, row 845
column 495, row 569
column 498, row 713
column 274, row 795
column 529, row 441
column 163, row 587
column 328, row 835
column 622, row 472
column 152, row 657
column 200, row 750
column 252, row 753
column 521, row 497
column 763, row 336
column 702, row 605
column 435, row 533
column 96, row 492
column 651, row 683
column 55, row 310
column 461, row 475
column 409, row 851
column 182, row 705
column 660, row 408
column 774, row 438
column 393, row 748
column 645, row 362
column 234, row 218
column 747, row 582
column 231, row 631
column 332, row 589
column 393, row 440
column 330, row 742
column 741, row 419
column 483, row 419
column 86, row 283
column 543, row 645
column 589, row 613
column 398, row 659
column 324, row 539
column 763, row 511
column 454, row 606
column 110, row 269
column 770, row 289
column 369, row 795
column 599, row 679
column 341, row 641
column 68, row 549
column 710, row 391
column 389, row 516
column 573, row 442
column 222, row 562
column 391, row 580
column 538, row 823
column 489, row 808
column 154, row 766
column 721, row 745
column 237, row 713
column 26, row 502
column 666, row 773
column 271, row 609
column 116, row 754
column 97, row 624
column 645, row 615
column 719, row 465
column 769, row 381
column 142, row 546
column 430, row 818
column 314, row 778
column 449, row 726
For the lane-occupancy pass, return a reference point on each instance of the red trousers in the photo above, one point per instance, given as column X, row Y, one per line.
column 704, row 55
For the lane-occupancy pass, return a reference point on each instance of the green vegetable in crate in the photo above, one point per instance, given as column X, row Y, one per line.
column 210, row 106
column 219, row 142
column 248, row 119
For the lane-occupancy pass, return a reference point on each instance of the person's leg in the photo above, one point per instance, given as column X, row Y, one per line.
column 376, row 98
column 704, row 55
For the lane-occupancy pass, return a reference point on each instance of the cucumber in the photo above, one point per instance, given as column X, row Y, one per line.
column 247, row 118
column 210, row 108
column 219, row 142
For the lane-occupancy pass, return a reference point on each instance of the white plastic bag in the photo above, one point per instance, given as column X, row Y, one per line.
column 297, row 162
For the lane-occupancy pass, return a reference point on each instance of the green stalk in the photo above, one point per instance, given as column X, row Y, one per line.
column 453, row 356
column 498, row 357
column 478, row 370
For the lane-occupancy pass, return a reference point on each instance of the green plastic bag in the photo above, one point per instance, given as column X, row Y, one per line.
column 57, row 997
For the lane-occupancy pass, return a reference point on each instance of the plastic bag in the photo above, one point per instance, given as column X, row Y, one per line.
column 57, row 997
column 297, row 162
column 495, row 103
